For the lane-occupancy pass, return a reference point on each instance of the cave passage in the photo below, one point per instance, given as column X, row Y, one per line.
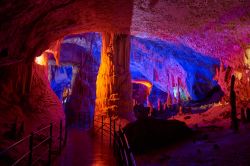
column 85, row 62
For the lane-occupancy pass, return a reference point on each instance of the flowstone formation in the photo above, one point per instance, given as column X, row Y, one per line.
column 113, row 85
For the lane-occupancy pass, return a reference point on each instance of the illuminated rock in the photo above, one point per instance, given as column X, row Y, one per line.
column 172, row 68
column 242, row 82
column 82, row 53
column 113, row 86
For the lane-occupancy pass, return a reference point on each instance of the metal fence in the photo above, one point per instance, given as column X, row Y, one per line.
column 28, row 158
column 106, row 126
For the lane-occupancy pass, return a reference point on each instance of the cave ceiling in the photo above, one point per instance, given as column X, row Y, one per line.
column 219, row 29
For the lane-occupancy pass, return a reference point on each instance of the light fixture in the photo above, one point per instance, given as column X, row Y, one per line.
column 41, row 60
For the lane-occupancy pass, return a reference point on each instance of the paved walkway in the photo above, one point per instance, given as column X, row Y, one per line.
column 84, row 149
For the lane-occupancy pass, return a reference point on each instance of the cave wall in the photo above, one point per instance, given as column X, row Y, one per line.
column 27, row 102
column 242, row 83
column 169, row 66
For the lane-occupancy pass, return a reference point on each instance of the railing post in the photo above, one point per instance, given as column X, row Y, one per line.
column 31, row 148
column 50, row 143
column 110, row 131
column 60, row 137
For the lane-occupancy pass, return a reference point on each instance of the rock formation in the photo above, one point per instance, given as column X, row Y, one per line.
column 172, row 39
column 113, row 85
column 81, row 53
column 233, row 105
column 27, row 103
column 242, row 81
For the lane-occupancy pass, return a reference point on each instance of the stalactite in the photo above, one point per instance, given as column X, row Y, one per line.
column 178, row 93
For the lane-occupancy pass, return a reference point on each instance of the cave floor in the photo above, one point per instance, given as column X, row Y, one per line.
column 209, row 148
column 83, row 148
column 213, row 143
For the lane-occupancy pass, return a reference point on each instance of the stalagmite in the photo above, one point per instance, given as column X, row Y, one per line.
column 234, row 119
column 113, row 86
column 169, row 100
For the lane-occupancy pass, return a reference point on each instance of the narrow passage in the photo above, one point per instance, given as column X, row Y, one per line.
column 84, row 149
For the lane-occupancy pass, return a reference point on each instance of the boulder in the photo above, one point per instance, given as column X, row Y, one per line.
column 149, row 134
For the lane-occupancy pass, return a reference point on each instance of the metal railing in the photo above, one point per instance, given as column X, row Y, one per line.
column 104, row 126
column 122, row 150
column 31, row 159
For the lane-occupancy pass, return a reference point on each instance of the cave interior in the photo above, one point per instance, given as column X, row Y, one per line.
column 172, row 77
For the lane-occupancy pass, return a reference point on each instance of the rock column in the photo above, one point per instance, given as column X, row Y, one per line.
column 113, row 86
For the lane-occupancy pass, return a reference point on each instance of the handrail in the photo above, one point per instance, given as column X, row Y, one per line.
column 120, row 142
column 39, row 158
column 46, row 127
column 13, row 145
column 128, row 148
column 32, row 147
column 42, row 142
column 21, row 158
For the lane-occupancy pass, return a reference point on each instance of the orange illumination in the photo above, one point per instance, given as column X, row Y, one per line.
column 247, row 57
column 238, row 75
column 50, row 51
column 41, row 60
column 143, row 82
